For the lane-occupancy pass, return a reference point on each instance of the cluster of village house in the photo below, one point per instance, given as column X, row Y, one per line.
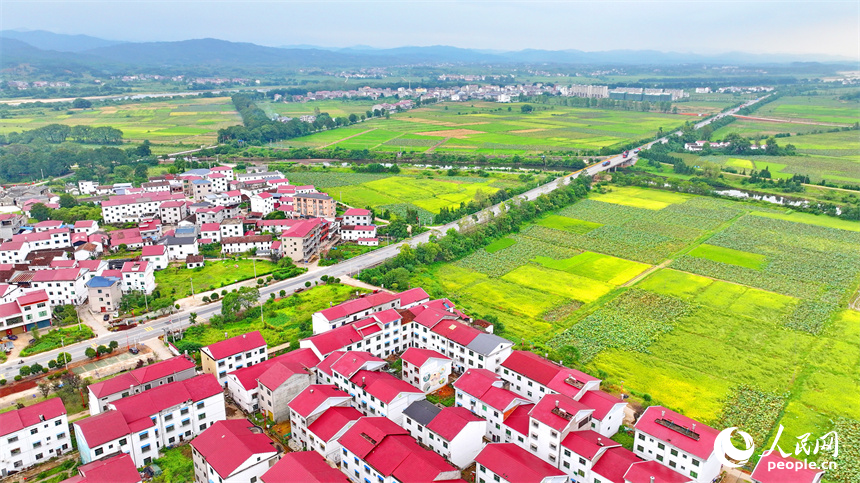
column 517, row 417
column 52, row 263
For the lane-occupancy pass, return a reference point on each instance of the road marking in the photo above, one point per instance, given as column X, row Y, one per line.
column 149, row 329
column 94, row 346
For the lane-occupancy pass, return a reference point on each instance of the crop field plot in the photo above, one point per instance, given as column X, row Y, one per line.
column 564, row 223
column 822, row 108
column 641, row 197
column 751, row 128
column 483, row 127
column 190, row 120
column 744, row 322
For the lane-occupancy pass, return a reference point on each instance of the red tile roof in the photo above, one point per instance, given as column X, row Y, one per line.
column 338, row 338
column 458, row 332
column 281, row 372
column 325, row 365
column 21, row 418
column 614, row 463
column 303, row 467
column 515, row 464
column 247, row 376
column 412, row 295
column 59, row 275
column 382, row 385
column 601, row 401
column 134, row 267
column 210, row 227
column 701, row 448
column 773, row 468
column 477, row 381
column 103, row 427
column 332, row 421
column 358, row 305
column 552, row 408
column 450, row 421
column 587, row 443
column 236, row 345
column 356, row 212
column 226, row 445
column 543, row 371
column 353, row 361
column 137, row 409
column 654, row 472
column 418, row 357
column 33, row 297
column 116, row 469
column 312, row 397
column 518, row 420
column 153, row 250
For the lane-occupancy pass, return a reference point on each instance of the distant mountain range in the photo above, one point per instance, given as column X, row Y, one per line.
column 46, row 49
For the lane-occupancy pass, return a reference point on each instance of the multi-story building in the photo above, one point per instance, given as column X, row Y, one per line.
column 381, row 335
column 11, row 224
column 32, row 435
column 308, row 406
column 353, row 310
column 231, row 227
column 301, row 241
column 134, row 208
column 86, row 226
column 172, row 212
column 324, row 431
column 425, row 369
column 47, row 239
column 212, row 231
column 674, row 440
column 484, row 393
column 116, row 469
column 368, row 447
column 138, row 277
column 142, row 379
column 356, row 232
column 317, row 205
column 357, row 216
column 24, row 312
column 263, row 203
column 242, row 244
column 105, row 294
column 303, row 467
column 143, row 424
column 156, row 255
column 65, row 286
column 179, row 247
column 509, row 463
column 232, row 451
column 13, row 252
column 454, row 433
column 234, row 353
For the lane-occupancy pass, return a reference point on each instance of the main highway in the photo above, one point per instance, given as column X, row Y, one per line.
column 179, row 320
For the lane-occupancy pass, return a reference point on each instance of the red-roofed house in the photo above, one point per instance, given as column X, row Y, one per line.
column 234, row 353
column 425, row 369
column 481, row 392
column 379, row 450
column 32, row 435
column 144, row 423
column 773, row 468
column 412, row 297
column 357, row 216
column 508, row 463
column 302, row 240
column 677, row 441
column 244, row 387
column 116, row 469
column 263, row 203
column 381, row 334
column 232, row 451
column 323, row 433
column 64, row 286
column 34, row 304
column 144, row 378
column 86, row 226
column 211, row 231
column 354, row 232
column 551, row 420
column 454, row 433
column 303, row 467
column 580, row 451
column 156, row 255
column 138, row 277
column 353, row 310
column 310, row 404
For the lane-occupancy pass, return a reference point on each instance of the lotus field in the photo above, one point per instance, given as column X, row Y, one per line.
column 725, row 311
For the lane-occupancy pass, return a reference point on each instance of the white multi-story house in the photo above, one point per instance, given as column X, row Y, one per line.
column 65, row 286
column 156, row 255
column 33, row 435
column 86, row 226
column 323, row 433
column 172, row 212
column 179, row 247
column 47, row 225
column 263, row 203
column 271, row 384
column 308, row 406
column 214, row 214
column 425, row 369
column 381, row 335
column 355, row 232
column 353, row 310
column 211, row 231
column 532, row 376
column 52, row 238
column 142, row 379
column 234, row 353
column 483, row 393
column 357, row 216
column 13, row 252
column 454, row 433
column 134, row 208
column 678, row 442
column 143, row 424
column 224, row 170
column 24, row 311
column 138, row 277
column 87, row 187
column 231, row 227
column 303, row 467
column 373, row 392
column 232, row 451
column 260, row 243
column 508, row 463
column 10, row 224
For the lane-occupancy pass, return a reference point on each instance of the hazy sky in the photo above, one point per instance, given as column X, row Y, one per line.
column 828, row 27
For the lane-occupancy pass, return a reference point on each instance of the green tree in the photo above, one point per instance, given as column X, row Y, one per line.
column 67, row 201
column 63, row 358
column 192, row 318
column 90, row 353
column 40, row 212
column 526, row 108
column 144, row 149
column 141, row 171
column 80, row 103
column 113, row 344
column 44, row 388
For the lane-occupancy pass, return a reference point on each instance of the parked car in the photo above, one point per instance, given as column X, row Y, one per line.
column 106, row 317
column 31, row 341
column 134, row 350
column 12, row 337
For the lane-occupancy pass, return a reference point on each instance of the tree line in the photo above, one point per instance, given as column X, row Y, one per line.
column 60, row 133
column 29, row 162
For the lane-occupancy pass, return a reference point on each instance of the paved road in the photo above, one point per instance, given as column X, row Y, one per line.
column 347, row 267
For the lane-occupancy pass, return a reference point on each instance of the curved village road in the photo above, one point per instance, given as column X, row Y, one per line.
column 348, row 267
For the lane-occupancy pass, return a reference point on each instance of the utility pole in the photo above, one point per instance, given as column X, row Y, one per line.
column 192, row 286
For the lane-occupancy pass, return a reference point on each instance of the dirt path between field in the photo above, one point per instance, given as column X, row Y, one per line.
column 344, row 139
column 433, row 147
column 647, row 272
column 811, row 123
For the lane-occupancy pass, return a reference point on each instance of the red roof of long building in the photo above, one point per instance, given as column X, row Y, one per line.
column 649, row 423
column 248, row 376
column 382, row 385
column 226, row 445
column 21, row 418
column 103, row 427
column 357, row 305
column 236, row 345
column 116, row 469
column 313, row 397
column 513, row 463
column 450, row 421
column 332, row 420
column 303, row 467
column 418, row 357
column 137, row 409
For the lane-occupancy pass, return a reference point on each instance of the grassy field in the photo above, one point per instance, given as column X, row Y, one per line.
column 192, row 121
column 742, row 323
column 820, row 108
column 56, row 338
column 487, row 128
column 426, row 191
column 215, row 274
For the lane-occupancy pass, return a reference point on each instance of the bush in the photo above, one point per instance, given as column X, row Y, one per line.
column 223, row 292
column 205, row 299
column 282, row 293
column 18, row 377
column 24, row 371
column 214, row 296
column 113, row 344
column 2, row 382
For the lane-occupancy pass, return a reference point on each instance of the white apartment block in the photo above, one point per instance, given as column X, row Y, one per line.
column 678, row 442
column 357, row 216
column 33, row 435
column 102, row 393
column 172, row 212
column 263, row 203
column 355, row 232
column 234, row 353
column 53, row 238
column 138, row 277
column 242, row 244
column 483, row 393
column 143, row 424
column 454, row 433
column 306, row 408
column 64, row 286
column 156, row 255
column 179, row 247
column 135, row 208
column 231, row 227
column 14, row 252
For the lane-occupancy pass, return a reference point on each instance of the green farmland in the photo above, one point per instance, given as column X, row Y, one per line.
column 728, row 312
column 489, row 128
column 191, row 121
